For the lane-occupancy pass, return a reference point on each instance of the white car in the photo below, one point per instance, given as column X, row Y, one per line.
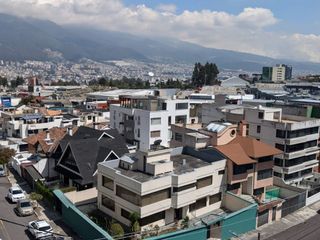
column 15, row 193
column 40, row 229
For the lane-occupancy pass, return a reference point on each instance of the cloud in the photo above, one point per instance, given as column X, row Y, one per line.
column 171, row 8
column 246, row 31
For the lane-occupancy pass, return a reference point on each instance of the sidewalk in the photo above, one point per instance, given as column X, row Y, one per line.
column 293, row 219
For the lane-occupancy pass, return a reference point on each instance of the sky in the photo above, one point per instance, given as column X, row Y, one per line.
column 287, row 29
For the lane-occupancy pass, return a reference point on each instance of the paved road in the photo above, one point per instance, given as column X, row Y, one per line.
column 11, row 231
column 309, row 230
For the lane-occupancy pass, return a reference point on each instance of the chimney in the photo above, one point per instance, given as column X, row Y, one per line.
column 95, row 125
column 243, row 128
column 47, row 134
column 70, row 132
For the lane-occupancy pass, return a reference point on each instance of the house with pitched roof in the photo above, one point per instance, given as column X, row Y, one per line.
column 78, row 154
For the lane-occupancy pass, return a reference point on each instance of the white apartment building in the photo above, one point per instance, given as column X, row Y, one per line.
column 296, row 136
column 162, row 185
column 23, row 123
column 144, row 120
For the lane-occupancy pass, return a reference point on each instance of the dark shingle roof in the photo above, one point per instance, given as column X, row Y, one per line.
column 88, row 150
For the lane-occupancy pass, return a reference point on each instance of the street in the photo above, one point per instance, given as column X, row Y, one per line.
column 309, row 230
column 11, row 226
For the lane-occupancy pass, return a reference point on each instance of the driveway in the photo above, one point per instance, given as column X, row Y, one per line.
column 12, row 227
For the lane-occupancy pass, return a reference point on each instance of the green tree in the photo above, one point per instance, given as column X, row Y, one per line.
column 185, row 222
column 19, row 81
column 36, row 197
column 5, row 155
column 102, row 81
column 134, row 217
column 204, row 74
column 27, row 100
column 116, row 230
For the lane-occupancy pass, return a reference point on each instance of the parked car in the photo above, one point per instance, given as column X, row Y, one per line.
column 40, row 229
column 2, row 171
column 15, row 193
column 24, row 207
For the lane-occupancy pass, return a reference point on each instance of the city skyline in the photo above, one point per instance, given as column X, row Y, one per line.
column 259, row 27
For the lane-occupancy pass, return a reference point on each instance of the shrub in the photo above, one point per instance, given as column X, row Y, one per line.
column 68, row 189
column 116, row 230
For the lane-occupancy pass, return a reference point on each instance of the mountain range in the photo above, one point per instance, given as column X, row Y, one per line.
column 33, row 39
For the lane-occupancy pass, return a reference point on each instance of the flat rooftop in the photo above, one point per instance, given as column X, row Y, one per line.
column 178, row 168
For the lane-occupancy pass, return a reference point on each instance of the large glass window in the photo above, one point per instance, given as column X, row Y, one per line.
column 181, row 119
column 301, row 146
column 128, row 195
column 215, row 198
column 240, row 169
column 155, row 134
column 263, row 174
column 108, row 203
column 204, row 182
column 152, row 218
column 181, row 106
column 182, row 188
column 200, row 203
column 299, row 160
column 155, row 121
column 125, row 213
column 291, row 176
column 297, row 133
column 107, row 182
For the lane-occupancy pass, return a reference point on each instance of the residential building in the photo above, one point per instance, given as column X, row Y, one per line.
column 249, row 161
column 26, row 121
column 145, row 120
column 162, row 185
column 78, row 154
column 278, row 73
column 296, row 136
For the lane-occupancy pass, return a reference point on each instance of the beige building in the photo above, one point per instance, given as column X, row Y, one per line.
column 162, row 185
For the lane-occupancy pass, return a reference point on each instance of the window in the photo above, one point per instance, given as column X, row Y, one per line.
column 306, row 171
column 278, row 162
column 182, row 188
column 300, row 146
column 221, row 172
column 276, row 174
column 299, row 160
column 128, row 195
column 155, row 134
column 125, row 213
column 215, row 198
column 156, row 197
column 200, row 203
column 181, row 119
column 302, row 132
column 263, row 174
column 152, row 218
column 260, row 115
column 108, row 203
column 204, row 182
column 240, row 169
column 139, row 120
column 291, row 176
column 178, row 137
column 265, row 159
column 280, row 146
column 155, row 121
column 258, row 129
column 138, row 134
column 169, row 120
column 107, row 182
column 233, row 186
column 89, row 117
column 180, row 106
column 281, row 134
column 258, row 191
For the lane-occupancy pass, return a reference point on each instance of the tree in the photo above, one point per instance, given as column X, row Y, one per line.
column 185, row 222
column 116, row 230
column 102, row 81
column 205, row 74
column 5, row 155
column 134, row 217
column 36, row 197
column 19, row 81
column 27, row 100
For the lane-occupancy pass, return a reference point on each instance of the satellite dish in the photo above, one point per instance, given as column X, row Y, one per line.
column 151, row 74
